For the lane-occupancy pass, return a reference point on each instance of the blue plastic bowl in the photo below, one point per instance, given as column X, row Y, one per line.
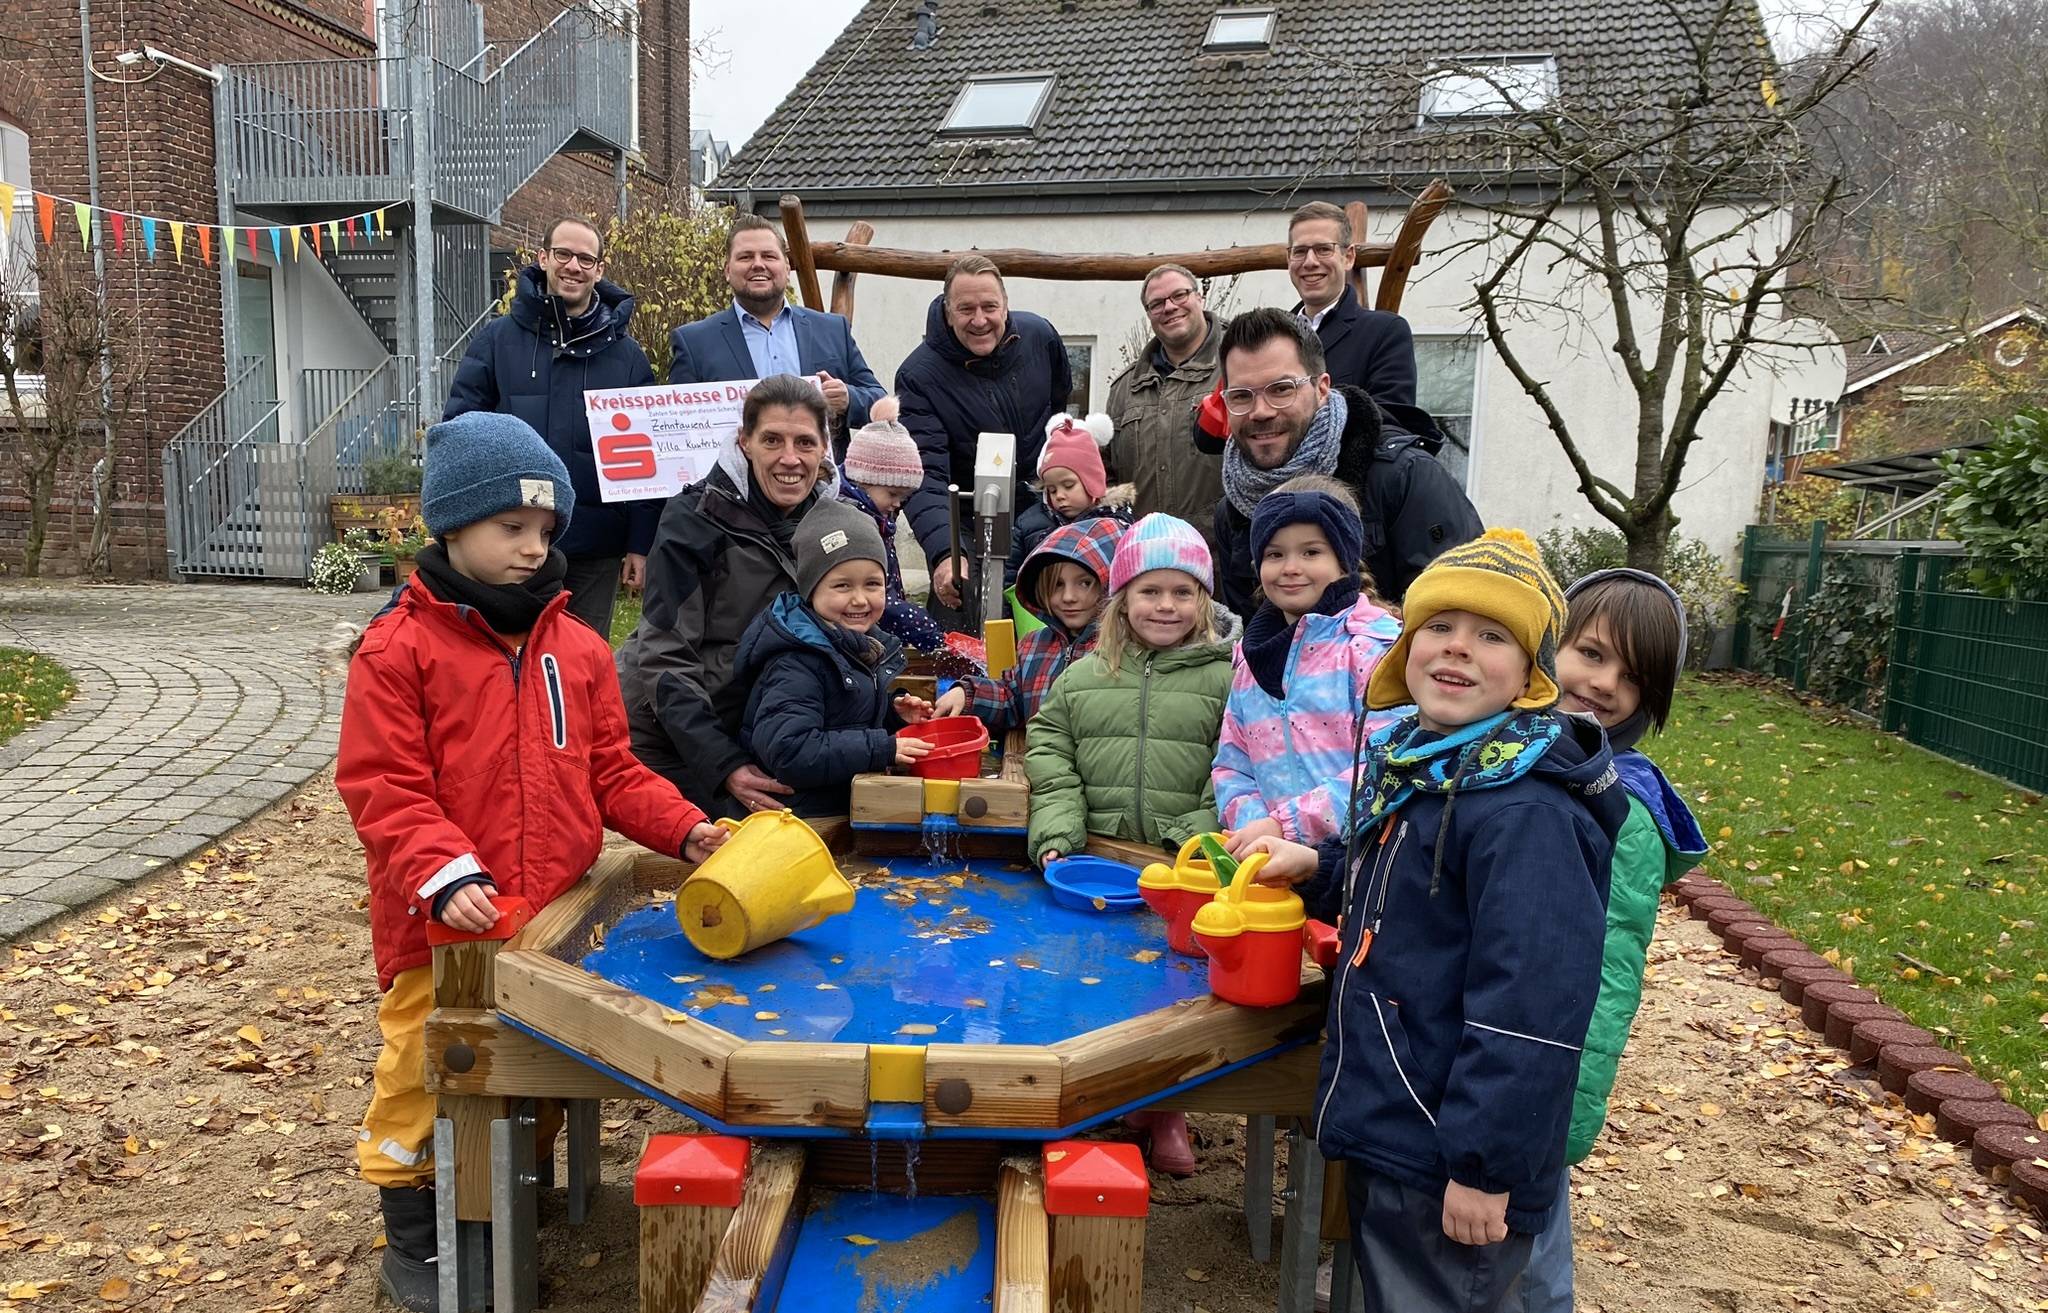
column 1084, row 882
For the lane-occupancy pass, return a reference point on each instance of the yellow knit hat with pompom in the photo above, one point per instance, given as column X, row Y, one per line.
column 1499, row 575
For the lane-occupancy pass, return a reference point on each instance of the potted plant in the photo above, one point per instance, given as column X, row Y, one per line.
column 402, row 539
column 390, row 481
column 353, row 565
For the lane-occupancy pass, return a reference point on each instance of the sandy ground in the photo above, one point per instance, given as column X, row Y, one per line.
column 182, row 1069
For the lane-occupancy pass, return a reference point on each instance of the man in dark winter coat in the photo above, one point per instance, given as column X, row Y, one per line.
column 1153, row 398
column 1368, row 349
column 565, row 333
column 1285, row 420
column 982, row 368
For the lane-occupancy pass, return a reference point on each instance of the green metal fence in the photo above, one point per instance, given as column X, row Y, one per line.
column 1892, row 631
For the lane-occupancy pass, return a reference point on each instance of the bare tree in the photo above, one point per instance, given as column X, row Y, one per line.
column 51, row 325
column 1951, row 126
column 1682, row 209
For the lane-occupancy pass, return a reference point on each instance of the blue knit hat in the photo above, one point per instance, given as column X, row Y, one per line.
column 482, row 463
column 1338, row 523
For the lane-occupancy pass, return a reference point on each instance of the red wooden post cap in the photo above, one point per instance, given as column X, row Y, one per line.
column 709, row 1171
column 1091, row 1178
column 513, row 912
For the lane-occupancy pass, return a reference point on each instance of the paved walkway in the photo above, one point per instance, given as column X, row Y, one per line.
column 197, row 707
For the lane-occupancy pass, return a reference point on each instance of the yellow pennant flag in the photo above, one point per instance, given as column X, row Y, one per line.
column 6, row 202
column 333, row 235
column 227, row 243
column 382, row 231
column 295, row 242
column 83, row 213
column 178, row 240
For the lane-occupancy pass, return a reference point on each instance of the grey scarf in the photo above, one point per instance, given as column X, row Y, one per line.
column 1246, row 484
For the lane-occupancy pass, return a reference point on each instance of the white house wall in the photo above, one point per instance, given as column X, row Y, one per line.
column 1519, row 475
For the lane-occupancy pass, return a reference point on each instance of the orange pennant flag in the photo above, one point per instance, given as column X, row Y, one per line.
column 254, row 254
column 206, row 243
column 314, row 232
column 46, row 216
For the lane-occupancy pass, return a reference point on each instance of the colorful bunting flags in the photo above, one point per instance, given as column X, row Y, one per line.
column 367, row 225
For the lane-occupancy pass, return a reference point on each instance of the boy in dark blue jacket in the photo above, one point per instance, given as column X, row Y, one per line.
column 1472, row 894
column 818, row 706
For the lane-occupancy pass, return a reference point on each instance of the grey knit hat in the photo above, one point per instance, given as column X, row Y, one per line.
column 830, row 534
column 482, row 463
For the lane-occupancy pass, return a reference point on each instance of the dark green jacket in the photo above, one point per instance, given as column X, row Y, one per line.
column 1129, row 755
column 1658, row 843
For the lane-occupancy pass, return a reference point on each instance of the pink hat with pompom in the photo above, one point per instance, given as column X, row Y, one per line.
column 882, row 454
column 1076, row 444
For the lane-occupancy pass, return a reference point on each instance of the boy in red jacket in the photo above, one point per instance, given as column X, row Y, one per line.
column 483, row 750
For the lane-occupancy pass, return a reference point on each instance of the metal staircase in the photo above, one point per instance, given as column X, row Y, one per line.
column 370, row 276
column 304, row 142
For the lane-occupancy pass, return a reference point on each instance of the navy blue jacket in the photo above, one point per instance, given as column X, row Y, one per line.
column 534, row 363
column 714, row 350
column 1453, row 1049
column 1412, row 509
column 1374, row 351
column 816, row 711
column 951, row 397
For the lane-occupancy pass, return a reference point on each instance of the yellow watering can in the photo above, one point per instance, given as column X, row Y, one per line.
column 772, row 878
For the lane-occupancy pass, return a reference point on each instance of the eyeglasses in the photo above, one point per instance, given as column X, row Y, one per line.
column 1239, row 401
column 1179, row 298
column 581, row 259
column 1320, row 250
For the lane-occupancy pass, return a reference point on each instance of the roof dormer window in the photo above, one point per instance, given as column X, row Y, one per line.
column 1489, row 86
column 1000, row 106
column 1240, row 30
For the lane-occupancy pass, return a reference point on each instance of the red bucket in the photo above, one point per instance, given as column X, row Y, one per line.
column 957, row 742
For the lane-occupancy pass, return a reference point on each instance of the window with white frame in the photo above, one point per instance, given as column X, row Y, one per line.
column 18, row 286
column 1446, row 385
column 998, row 106
column 1489, row 86
column 1081, row 364
column 1240, row 29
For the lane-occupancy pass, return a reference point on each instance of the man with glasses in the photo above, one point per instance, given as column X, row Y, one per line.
column 566, row 333
column 1152, row 400
column 761, row 333
column 1369, row 349
column 1287, row 419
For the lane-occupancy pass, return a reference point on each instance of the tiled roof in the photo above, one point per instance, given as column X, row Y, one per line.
column 1900, row 345
column 1136, row 105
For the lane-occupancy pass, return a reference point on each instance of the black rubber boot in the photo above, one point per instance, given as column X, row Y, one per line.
column 410, row 1277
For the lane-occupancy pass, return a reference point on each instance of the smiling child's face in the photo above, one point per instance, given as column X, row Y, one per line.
column 1463, row 667
column 1593, row 679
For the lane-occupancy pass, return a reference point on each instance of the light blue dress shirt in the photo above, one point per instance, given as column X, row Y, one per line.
column 773, row 346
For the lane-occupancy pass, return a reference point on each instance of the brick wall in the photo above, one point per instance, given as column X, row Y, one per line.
column 156, row 157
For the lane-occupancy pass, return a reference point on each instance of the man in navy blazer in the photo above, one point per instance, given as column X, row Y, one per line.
column 761, row 333
column 1369, row 349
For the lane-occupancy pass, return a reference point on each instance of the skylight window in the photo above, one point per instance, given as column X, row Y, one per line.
column 994, row 106
column 1490, row 87
column 1240, row 29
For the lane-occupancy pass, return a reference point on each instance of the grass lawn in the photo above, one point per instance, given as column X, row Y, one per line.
column 30, row 689
column 625, row 618
column 1929, row 879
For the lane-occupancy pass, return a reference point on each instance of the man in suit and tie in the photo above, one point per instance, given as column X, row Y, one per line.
column 1368, row 349
column 761, row 333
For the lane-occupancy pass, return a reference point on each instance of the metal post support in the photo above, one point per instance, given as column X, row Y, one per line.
column 585, row 1171
column 1749, row 582
column 420, row 72
column 1907, row 583
column 618, row 182
column 1301, row 1234
column 515, row 1252
column 1815, row 552
column 1259, row 1130
column 462, row 1249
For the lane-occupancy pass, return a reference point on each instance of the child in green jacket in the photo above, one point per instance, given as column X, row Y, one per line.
column 1623, row 650
column 1122, row 745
